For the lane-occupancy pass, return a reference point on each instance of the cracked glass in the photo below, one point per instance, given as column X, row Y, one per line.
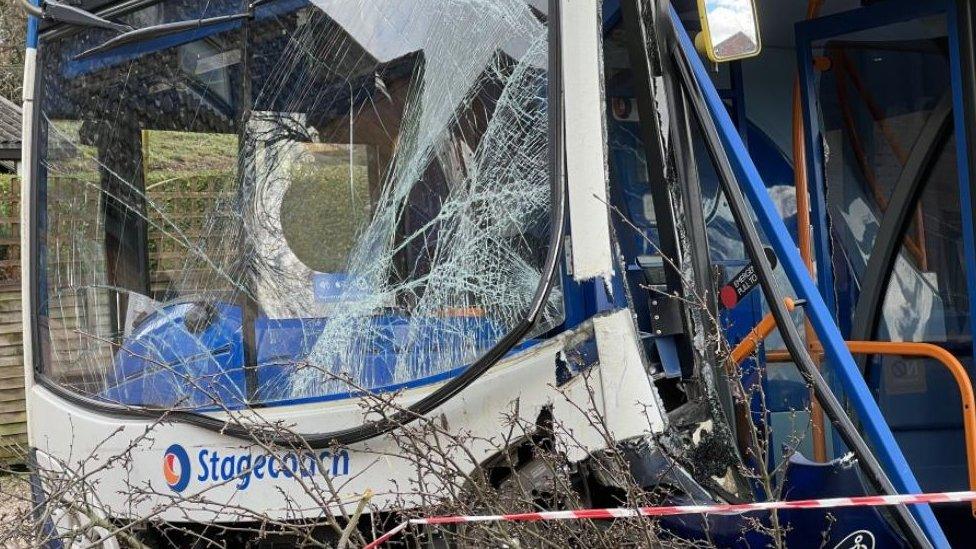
column 327, row 197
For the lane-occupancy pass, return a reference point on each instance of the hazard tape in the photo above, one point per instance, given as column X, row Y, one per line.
column 717, row 509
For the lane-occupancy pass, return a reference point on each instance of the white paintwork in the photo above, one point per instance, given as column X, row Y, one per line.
column 81, row 440
column 618, row 388
column 586, row 142
column 26, row 182
column 30, row 71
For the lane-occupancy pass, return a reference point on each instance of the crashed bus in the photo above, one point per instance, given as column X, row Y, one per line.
column 726, row 243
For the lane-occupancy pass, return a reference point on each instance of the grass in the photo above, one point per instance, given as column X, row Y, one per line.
column 186, row 174
column 187, row 156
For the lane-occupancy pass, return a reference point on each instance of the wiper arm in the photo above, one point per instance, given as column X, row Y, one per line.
column 146, row 34
column 63, row 13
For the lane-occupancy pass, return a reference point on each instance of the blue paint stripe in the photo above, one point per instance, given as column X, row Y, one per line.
column 33, row 26
column 839, row 357
column 412, row 384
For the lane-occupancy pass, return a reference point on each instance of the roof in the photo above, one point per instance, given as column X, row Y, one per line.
column 10, row 129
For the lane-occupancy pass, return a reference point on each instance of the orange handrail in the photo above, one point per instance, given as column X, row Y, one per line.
column 900, row 348
column 928, row 350
column 765, row 327
column 803, row 230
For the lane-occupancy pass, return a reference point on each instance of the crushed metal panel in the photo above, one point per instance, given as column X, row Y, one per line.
column 619, row 390
column 511, row 394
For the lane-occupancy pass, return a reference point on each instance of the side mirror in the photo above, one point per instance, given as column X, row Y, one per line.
column 730, row 29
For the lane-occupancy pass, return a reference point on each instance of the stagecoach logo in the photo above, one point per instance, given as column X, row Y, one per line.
column 176, row 467
column 861, row 539
column 240, row 469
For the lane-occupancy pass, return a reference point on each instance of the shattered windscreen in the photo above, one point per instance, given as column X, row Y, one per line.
column 325, row 197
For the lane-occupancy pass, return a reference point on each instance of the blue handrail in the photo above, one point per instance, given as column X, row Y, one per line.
column 839, row 357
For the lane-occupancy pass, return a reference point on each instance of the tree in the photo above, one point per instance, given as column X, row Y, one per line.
column 13, row 26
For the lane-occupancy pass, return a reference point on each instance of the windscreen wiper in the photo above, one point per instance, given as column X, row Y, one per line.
column 52, row 10
column 145, row 34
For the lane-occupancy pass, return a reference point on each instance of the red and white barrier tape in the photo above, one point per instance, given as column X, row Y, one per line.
column 719, row 509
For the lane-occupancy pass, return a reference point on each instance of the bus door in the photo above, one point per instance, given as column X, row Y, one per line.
column 888, row 213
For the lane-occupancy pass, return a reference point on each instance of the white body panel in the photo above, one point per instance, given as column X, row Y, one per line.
column 26, row 184
column 121, row 460
column 87, row 443
column 586, row 143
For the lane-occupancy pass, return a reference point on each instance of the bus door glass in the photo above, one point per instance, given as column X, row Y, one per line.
column 892, row 194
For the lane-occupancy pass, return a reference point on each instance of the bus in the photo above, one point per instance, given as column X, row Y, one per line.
column 300, row 269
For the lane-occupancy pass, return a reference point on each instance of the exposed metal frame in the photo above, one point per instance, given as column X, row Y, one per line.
column 641, row 50
column 681, row 225
column 681, row 116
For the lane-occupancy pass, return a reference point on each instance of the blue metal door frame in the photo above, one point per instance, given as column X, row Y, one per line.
column 962, row 157
column 877, row 15
column 818, row 310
